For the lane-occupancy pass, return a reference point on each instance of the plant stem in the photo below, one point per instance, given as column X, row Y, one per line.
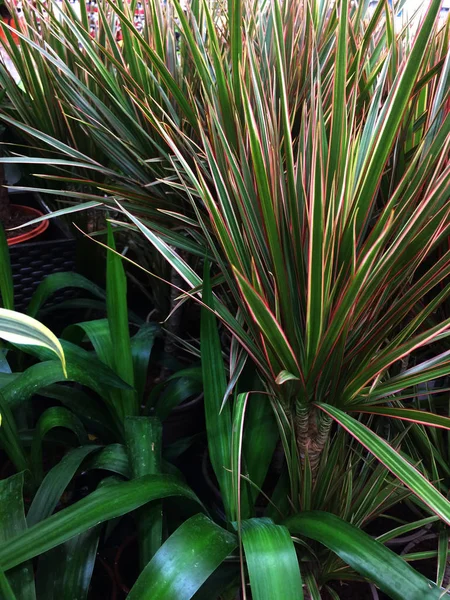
column 311, row 430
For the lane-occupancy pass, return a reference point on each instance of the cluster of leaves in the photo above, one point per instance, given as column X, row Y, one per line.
column 108, row 432
column 302, row 154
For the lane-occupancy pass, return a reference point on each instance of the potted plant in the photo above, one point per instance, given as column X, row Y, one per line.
column 14, row 217
column 36, row 250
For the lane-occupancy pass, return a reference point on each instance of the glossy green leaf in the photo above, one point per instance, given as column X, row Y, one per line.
column 10, row 438
column 143, row 437
column 184, row 562
column 55, row 416
column 141, row 348
column 271, row 561
column 13, row 523
column 100, row 506
column 260, row 440
column 116, row 302
column 365, row 555
column 5, row 588
column 59, row 281
column 112, row 458
column 82, row 368
column 55, row 482
column 66, row 571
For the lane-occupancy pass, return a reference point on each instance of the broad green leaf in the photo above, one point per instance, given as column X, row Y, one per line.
column 5, row 588
column 10, row 438
column 66, row 571
column 241, row 504
column 365, row 555
column 112, row 458
column 116, row 302
column 141, row 349
column 271, row 561
column 178, row 388
column 184, row 561
column 82, row 368
column 58, row 281
column 13, row 523
column 143, row 437
column 102, row 505
column 59, row 417
column 55, row 482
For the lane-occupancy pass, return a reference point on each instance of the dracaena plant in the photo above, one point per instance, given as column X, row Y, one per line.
column 350, row 486
column 315, row 171
column 323, row 199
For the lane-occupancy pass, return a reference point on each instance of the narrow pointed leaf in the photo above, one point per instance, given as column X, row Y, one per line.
column 398, row 465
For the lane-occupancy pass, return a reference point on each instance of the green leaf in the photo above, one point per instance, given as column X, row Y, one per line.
column 408, row 414
column 116, row 302
column 218, row 423
column 5, row 588
column 442, row 557
column 184, row 561
column 82, row 368
column 390, row 119
column 66, row 571
column 241, row 504
column 21, row 329
column 55, row 482
column 105, row 503
column 63, row 211
column 141, row 349
column 178, row 388
column 55, row 416
column 111, row 458
column 394, row 461
column 269, row 327
column 13, row 523
column 143, row 436
column 271, row 561
column 260, row 439
column 58, row 281
column 365, row 555
column 9, row 437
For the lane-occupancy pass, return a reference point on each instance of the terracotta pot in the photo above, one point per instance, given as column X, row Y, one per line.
column 36, row 230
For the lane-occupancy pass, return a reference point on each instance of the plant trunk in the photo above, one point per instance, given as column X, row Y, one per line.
column 311, row 430
column 5, row 213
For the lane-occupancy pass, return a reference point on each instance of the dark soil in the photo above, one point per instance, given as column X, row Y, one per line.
column 17, row 218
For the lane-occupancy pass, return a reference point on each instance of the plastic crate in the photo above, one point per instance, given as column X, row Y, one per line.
column 31, row 262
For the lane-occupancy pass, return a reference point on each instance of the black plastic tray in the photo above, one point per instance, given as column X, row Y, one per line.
column 31, row 262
